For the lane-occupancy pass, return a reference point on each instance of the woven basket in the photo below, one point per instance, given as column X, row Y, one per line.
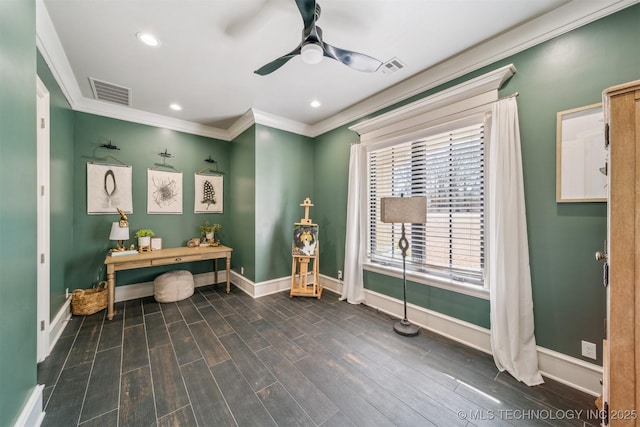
column 89, row 301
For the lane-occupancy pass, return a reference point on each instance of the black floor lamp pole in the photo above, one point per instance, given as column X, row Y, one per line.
column 403, row 327
column 404, row 210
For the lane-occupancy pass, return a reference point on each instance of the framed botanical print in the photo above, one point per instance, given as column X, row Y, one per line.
column 209, row 193
column 164, row 192
column 108, row 188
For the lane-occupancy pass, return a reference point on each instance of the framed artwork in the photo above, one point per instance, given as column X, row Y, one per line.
column 581, row 158
column 156, row 243
column 164, row 192
column 305, row 240
column 108, row 188
column 209, row 193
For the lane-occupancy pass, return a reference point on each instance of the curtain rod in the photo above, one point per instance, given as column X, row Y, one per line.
column 508, row 96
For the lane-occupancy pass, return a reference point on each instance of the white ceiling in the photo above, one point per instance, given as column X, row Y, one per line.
column 210, row 48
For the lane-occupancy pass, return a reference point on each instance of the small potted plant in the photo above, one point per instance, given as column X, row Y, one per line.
column 209, row 231
column 144, row 236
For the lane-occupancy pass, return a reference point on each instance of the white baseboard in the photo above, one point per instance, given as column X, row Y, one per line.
column 59, row 322
column 575, row 373
column 32, row 413
column 260, row 289
column 571, row 371
column 145, row 289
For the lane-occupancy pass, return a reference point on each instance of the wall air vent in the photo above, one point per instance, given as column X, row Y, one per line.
column 392, row 65
column 110, row 92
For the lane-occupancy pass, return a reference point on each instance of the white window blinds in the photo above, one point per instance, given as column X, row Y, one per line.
column 447, row 168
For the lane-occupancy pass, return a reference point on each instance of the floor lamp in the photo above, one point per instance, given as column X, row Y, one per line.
column 412, row 210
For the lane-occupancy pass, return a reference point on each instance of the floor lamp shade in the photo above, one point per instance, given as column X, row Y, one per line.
column 412, row 210
column 405, row 210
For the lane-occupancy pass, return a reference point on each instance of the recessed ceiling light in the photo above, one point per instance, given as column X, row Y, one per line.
column 175, row 107
column 315, row 103
column 148, row 39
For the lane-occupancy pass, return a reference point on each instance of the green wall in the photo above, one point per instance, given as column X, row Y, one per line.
column 284, row 178
column 139, row 147
column 331, row 175
column 569, row 71
column 61, row 181
column 243, row 202
column 18, row 212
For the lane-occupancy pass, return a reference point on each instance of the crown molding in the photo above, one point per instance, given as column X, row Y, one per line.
column 568, row 17
column 281, row 123
column 473, row 89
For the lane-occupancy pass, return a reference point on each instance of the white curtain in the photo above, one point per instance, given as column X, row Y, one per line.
column 512, row 329
column 353, row 288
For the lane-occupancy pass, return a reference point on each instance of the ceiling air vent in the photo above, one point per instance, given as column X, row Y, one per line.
column 392, row 65
column 110, row 92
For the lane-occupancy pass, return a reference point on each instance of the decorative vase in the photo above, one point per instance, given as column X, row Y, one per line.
column 209, row 237
column 144, row 243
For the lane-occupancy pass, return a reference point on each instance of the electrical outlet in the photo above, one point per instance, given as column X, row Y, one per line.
column 589, row 350
column 66, row 293
column 242, row 271
column 339, row 274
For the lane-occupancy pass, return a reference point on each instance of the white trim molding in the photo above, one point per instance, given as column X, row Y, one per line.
column 560, row 367
column 572, row 15
column 32, row 413
column 414, row 117
column 59, row 322
column 575, row 373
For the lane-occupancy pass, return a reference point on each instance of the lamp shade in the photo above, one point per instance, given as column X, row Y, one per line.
column 118, row 233
column 411, row 210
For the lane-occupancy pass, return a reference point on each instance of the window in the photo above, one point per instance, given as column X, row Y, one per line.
column 448, row 168
column 434, row 147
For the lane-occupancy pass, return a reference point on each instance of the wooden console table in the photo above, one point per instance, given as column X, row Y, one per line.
column 162, row 257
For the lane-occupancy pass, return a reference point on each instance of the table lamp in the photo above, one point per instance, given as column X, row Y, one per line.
column 120, row 234
column 403, row 210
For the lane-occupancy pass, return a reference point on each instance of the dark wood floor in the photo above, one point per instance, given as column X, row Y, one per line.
column 217, row 359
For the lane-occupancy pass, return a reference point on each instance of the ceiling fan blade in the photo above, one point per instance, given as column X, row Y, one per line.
column 277, row 63
column 308, row 11
column 355, row 60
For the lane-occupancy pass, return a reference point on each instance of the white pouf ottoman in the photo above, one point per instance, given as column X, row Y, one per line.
column 173, row 286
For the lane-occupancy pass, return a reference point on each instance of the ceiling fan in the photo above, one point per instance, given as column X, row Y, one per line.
column 312, row 48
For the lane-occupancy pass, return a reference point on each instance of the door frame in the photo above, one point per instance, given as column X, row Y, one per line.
column 43, row 218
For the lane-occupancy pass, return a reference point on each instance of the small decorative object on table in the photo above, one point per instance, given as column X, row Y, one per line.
column 209, row 232
column 156, row 243
column 194, row 243
column 144, row 239
column 120, row 233
column 89, row 301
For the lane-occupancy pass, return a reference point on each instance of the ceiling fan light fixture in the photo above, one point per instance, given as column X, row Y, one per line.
column 311, row 53
column 148, row 39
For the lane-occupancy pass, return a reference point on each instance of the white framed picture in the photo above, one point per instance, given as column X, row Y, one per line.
column 209, row 193
column 108, row 188
column 581, row 156
column 156, row 243
column 164, row 192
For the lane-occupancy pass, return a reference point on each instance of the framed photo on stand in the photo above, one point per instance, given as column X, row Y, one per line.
column 156, row 243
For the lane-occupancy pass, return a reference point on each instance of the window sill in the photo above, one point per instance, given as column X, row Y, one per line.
column 429, row 280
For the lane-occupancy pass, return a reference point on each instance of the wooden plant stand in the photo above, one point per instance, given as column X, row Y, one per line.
column 301, row 285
